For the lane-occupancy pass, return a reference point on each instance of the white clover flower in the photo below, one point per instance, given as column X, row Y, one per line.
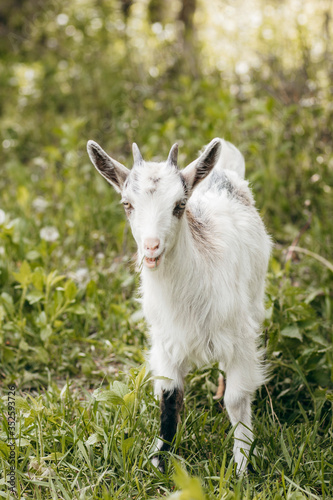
column 49, row 233
column 40, row 204
column 2, row 216
column 81, row 276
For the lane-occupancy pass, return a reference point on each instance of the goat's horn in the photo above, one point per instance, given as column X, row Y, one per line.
column 136, row 154
column 173, row 155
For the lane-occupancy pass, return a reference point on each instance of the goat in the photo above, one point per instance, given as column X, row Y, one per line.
column 203, row 251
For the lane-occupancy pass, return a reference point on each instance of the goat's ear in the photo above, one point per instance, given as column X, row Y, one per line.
column 196, row 171
column 113, row 171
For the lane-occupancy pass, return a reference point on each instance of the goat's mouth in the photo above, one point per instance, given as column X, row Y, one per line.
column 153, row 262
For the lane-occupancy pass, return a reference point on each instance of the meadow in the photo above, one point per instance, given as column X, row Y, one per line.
column 73, row 340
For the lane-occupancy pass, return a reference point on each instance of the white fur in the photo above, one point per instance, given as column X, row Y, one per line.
column 204, row 302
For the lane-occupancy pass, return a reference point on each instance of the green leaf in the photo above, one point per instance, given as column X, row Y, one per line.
column 140, row 378
column 77, row 309
column 38, row 279
column 42, row 355
column 292, row 331
column 108, row 397
column 127, row 444
column 24, row 346
column 23, row 442
column 34, row 296
column 83, row 451
column 41, row 320
column 22, row 196
column 70, row 290
column 129, row 400
column 275, row 266
column 8, row 303
column 120, row 389
column 285, row 451
column 191, row 488
column 21, row 404
column 2, row 313
column 52, row 279
column 54, row 456
column 4, row 449
column 24, row 276
column 33, row 255
column 93, row 439
column 46, row 333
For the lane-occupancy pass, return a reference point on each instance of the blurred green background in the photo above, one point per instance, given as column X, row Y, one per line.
column 258, row 74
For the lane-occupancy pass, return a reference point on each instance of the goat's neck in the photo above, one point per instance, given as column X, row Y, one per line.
column 184, row 256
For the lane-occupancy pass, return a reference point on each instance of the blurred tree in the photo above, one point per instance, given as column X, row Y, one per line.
column 186, row 46
column 186, row 15
column 125, row 7
column 189, row 43
column 156, row 11
column 15, row 19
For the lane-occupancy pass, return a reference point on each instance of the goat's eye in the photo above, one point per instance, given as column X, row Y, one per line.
column 181, row 205
column 127, row 205
column 179, row 208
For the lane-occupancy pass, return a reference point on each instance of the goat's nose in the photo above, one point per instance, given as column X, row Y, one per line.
column 151, row 244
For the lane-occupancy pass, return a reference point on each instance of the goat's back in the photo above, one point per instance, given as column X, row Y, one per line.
column 230, row 159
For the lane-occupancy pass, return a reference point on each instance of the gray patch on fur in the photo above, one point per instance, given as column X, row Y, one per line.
column 153, row 187
column 201, row 234
column 154, row 180
column 222, row 183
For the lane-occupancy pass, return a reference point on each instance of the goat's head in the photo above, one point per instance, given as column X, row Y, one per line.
column 154, row 195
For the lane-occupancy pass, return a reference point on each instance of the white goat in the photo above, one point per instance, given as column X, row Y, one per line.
column 204, row 253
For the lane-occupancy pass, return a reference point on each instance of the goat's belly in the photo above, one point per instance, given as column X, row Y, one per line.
column 212, row 347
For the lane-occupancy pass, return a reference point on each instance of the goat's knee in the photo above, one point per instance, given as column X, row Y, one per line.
column 169, row 376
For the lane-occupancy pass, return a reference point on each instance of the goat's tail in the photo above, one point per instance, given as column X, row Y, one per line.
column 231, row 159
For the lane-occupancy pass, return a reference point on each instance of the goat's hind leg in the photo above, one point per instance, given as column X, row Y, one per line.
column 237, row 399
column 220, row 385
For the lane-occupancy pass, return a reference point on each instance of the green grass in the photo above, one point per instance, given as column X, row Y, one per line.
column 76, row 443
column 72, row 337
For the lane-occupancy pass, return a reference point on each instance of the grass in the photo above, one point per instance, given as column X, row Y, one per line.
column 72, row 337
column 75, row 443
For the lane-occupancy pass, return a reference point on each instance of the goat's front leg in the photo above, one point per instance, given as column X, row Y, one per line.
column 170, row 391
column 171, row 404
